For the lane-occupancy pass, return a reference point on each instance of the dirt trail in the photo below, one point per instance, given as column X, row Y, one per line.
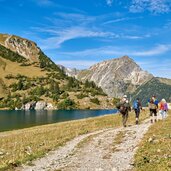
column 96, row 151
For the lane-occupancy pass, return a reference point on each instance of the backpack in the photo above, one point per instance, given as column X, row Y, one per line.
column 152, row 106
column 165, row 107
column 135, row 105
column 123, row 108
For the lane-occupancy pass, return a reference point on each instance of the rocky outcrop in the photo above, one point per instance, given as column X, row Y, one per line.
column 72, row 72
column 28, row 106
column 49, row 106
column 23, row 47
column 40, row 105
column 116, row 76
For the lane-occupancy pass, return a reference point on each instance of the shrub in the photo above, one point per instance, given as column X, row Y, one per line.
column 66, row 104
column 115, row 101
column 10, row 55
column 81, row 96
column 95, row 100
column 64, row 95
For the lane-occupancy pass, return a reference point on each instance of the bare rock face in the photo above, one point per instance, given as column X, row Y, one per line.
column 72, row 72
column 117, row 76
column 23, row 47
column 40, row 105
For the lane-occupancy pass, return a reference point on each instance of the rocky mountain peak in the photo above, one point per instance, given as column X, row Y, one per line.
column 23, row 47
column 116, row 76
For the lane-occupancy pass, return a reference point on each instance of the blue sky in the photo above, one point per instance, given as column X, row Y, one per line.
column 80, row 33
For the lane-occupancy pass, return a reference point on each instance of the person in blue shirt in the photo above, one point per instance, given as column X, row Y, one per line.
column 137, row 107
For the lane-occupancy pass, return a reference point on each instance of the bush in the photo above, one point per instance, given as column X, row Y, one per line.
column 10, row 55
column 64, row 95
column 66, row 104
column 115, row 101
column 39, row 91
column 95, row 100
column 9, row 76
column 81, row 96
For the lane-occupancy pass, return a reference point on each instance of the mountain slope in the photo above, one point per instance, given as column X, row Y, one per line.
column 117, row 76
column 156, row 86
column 23, row 47
column 27, row 75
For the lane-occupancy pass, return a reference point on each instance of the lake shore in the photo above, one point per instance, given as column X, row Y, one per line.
column 24, row 119
column 24, row 145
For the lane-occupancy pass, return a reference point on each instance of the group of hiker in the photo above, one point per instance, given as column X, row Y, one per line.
column 154, row 106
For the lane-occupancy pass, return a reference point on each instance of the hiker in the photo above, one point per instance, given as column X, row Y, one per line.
column 163, row 108
column 155, row 100
column 124, row 107
column 153, row 106
column 137, row 107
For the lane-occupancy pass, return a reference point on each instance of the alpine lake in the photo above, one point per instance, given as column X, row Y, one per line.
column 18, row 119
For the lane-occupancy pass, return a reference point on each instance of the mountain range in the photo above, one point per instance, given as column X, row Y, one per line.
column 27, row 74
column 121, row 76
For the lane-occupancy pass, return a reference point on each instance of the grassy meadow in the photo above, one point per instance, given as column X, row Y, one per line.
column 154, row 153
column 20, row 146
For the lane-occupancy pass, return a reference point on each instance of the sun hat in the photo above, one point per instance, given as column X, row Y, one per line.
column 163, row 100
column 125, row 96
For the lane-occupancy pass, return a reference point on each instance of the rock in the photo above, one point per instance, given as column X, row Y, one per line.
column 116, row 76
column 1, row 153
column 23, row 47
column 40, row 105
column 158, row 150
column 28, row 150
column 27, row 106
column 70, row 72
column 150, row 140
column 49, row 106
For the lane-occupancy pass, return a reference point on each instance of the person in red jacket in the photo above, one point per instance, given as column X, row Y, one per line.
column 163, row 107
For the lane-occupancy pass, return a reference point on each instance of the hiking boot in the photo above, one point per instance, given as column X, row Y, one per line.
column 151, row 121
column 136, row 122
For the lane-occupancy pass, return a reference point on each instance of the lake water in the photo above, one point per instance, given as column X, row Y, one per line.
column 10, row 120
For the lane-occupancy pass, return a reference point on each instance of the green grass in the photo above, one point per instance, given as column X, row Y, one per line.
column 154, row 153
column 42, row 139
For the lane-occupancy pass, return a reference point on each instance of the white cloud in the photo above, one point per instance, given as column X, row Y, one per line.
column 159, row 68
column 118, row 51
column 160, row 49
column 121, row 19
column 109, row 2
column 116, row 20
column 44, row 2
column 79, row 64
column 154, row 6
column 59, row 37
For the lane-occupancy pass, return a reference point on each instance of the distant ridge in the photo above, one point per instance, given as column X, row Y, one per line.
column 116, row 76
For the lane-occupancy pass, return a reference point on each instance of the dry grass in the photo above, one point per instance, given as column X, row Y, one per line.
column 154, row 153
column 14, row 68
column 3, row 37
column 27, row 144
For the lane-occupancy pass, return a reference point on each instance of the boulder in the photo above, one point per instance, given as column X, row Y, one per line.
column 49, row 106
column 40, row 105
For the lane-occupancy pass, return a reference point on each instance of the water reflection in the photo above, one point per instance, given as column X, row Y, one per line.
column 10, row 120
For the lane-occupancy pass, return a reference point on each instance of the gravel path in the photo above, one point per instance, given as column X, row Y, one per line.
column 94, row 152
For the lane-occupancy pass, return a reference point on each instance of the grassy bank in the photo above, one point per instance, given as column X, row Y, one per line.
column 154, row 153
column 23, row 145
